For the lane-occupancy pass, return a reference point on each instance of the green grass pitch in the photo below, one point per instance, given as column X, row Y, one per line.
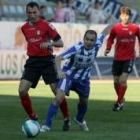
column 104, row 124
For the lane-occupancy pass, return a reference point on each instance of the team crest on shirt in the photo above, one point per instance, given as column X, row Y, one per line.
column 130, row 32
column 38, row 32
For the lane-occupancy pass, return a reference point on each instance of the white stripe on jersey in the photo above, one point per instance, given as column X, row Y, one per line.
column 63, row 85
column 78, row 74
column 79, row 60
column 86, row 73
column 72, row 50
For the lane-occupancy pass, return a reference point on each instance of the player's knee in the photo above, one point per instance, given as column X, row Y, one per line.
column 83, row 102
column 54, row 91
column 123, row 82
column 58, row 100
column 22, row 92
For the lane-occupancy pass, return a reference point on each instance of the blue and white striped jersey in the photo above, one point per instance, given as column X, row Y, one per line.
column 79, row 60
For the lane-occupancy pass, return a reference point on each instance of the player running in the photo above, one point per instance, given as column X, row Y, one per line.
column 125, row 33
column 75, row 76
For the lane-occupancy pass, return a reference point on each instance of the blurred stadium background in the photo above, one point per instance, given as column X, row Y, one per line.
column 13, row 44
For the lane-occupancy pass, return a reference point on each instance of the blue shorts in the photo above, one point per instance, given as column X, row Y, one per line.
column 82, row 88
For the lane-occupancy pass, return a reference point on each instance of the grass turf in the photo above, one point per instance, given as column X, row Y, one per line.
column 104, row 124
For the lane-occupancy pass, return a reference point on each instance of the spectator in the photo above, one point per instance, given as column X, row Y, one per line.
column 94, row 14
column 42, row 10
column 1, row 10
column 70, row 13
column 59, row 13
column 46, row 13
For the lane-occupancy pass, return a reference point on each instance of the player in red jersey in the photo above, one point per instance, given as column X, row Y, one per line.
column 125, row 33
column 41, row 36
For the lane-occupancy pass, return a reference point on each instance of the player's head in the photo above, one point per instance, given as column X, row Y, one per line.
column 97, row 4
column 90, row 38
column 32, row 11
column 125, row 14
column 42, row 9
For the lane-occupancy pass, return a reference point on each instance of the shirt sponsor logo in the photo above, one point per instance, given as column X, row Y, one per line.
column 32, row 40
column 127, row 40
column 31, row 29
column 130, row 32
column 124, row 28
column 38, row 32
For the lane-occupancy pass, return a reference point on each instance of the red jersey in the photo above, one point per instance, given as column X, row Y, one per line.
column 36, row 34
column 125, row 40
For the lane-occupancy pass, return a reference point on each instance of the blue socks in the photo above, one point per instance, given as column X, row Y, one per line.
column 52, row 111
column 81, row 112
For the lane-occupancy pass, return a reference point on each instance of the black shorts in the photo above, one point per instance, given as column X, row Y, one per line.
column 36, row 67
column 119, row 67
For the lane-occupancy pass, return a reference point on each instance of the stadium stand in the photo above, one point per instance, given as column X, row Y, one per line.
column 131, row 3
column 14, row 10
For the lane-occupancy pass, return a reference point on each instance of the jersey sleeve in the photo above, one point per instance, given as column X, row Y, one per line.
column 99, row 43
column 138, row 36
column 71, row 51
column 100, row 40
column 22, row 30
column 111, row 38
column 53, row 34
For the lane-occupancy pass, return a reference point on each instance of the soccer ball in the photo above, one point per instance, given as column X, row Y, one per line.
column 31, row 128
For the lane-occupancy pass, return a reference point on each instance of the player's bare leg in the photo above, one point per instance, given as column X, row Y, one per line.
column 25, row 99
column 64, row 109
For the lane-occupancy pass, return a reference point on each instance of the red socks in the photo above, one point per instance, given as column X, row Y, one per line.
column 64, row 109
column 116, row 87
column 27, row 104
column 122, row 90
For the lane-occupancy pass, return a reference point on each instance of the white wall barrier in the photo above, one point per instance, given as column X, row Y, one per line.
column 11, row 64
column 13, row 45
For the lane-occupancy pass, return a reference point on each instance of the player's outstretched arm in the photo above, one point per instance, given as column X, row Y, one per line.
column 106, row 31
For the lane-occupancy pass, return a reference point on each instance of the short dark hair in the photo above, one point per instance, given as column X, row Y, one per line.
column 90, row 32
column 42, row 6
column 125, row 10
column 97, row 2
column 32, row 4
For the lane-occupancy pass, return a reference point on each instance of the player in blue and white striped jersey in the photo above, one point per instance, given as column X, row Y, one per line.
column 75, row 75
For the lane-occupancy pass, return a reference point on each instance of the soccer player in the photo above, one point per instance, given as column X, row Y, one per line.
column 125, row 33
column 41, row 36
column 75, row 76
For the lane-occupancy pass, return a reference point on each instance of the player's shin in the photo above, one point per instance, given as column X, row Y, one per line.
column 82, row 109
column 27, row 105
column 52, row 111
column 122, row 90
column 64, row 109
column 116, row 87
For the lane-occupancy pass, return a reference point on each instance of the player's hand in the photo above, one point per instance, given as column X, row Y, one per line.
column 61, row 75
column 45, row 45
column 106, row 52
